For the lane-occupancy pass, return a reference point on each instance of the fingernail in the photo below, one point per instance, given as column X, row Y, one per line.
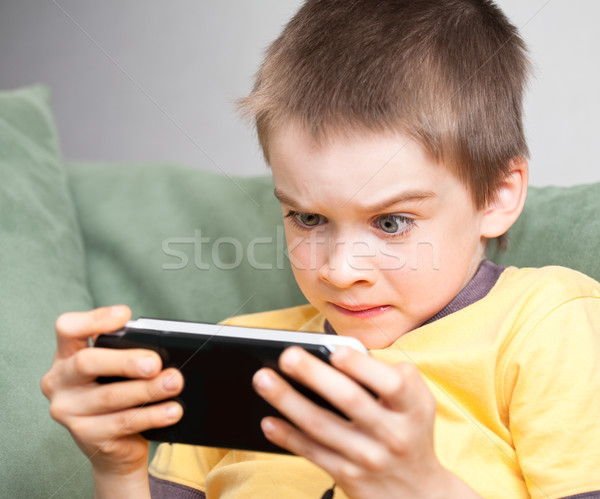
column 267, row 426
column 170, row 382
column 117, row 311
column 173, row 411
column 147, row 365
column 290, row 357
column 339, row 354
column 263, row 381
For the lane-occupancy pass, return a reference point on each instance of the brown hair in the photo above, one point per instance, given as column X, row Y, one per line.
column 450, row 73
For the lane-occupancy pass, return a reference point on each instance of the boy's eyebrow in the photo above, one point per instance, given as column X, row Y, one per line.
column 403, row 197
column 285, row 199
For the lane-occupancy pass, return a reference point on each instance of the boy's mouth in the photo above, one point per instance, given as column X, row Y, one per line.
column 363, row 311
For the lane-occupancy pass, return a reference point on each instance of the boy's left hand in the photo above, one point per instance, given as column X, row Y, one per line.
column 384, row 449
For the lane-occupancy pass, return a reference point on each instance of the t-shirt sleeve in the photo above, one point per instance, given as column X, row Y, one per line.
column 552, row 391
column 184, row 465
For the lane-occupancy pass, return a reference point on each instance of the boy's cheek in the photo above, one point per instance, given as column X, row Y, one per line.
column 425, row 256
column 393, row 256
column 311, row 254
column 401, row 256
column 306, row 253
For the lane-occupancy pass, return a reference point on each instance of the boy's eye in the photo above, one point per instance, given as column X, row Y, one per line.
column 305, row 220
column 308, row 219
column 393, row 224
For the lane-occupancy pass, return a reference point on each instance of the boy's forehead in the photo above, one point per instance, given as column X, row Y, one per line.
column 355, row 152
column 293, row 139
column 365, row 169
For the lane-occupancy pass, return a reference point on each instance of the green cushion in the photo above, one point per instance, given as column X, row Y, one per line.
column 43, row 275
column 559, row 226
column 173, row 242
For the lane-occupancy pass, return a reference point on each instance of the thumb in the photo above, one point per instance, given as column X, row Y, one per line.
column 73, row 329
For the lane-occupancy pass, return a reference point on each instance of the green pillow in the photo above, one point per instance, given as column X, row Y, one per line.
column 43, row 275
column 177, row 243
column 559, row 226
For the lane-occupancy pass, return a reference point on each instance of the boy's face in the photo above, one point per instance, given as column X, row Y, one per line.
column 380, row 237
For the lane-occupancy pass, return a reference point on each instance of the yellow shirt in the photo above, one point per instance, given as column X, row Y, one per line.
column 517, row 379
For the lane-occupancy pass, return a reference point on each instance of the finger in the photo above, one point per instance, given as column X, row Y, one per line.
column 386, row 425
column 288, row 437
column 347, row 474
column 323, row 426
column 404, row 395
column 74, row 328
column 102, row 428
column 90, row 363
column 333, row 385
column 399, row 386
column 114, row 397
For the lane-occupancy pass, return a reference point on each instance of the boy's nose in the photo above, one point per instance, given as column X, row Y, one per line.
column 349, row 263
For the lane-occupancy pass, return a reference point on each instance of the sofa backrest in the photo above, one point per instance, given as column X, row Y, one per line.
column 185, row 244
column 43, row 274
column 558, row 226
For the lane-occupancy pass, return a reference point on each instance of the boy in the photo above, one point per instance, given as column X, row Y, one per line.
column 393, row 129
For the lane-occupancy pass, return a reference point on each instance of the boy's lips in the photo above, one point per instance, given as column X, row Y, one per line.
column 360, row 310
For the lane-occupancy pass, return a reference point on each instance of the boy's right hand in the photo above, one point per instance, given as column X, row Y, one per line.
column 105, row 419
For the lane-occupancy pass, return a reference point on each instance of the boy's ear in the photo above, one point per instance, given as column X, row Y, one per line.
column 508, row 201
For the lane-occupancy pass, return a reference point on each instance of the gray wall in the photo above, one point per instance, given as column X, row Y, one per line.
column 155, row 80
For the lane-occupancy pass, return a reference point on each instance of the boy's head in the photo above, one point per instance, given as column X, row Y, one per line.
column 449, row 74
column 357, row 105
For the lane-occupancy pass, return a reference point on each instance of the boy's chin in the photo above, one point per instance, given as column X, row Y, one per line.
column 373, row 332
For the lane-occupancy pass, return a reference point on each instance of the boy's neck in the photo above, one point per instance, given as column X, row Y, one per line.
column 477, row 288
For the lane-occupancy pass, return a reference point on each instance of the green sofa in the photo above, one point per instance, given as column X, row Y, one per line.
column 170, row 242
